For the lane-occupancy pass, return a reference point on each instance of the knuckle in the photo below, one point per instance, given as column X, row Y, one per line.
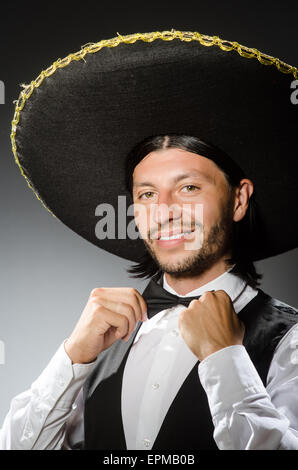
column 123, row 307
column 123, row 322
column 93, row 301
column 221, row 292
column 97, row 308
column 92, row 304
column 133, row 291
column 96, row 291
column 128, row 309
column 193, row 304
column 206, row 296
column 207, row 293
column 225, row 296
column 131, row 311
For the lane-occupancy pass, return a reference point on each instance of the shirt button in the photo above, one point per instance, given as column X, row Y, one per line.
column 155, row 386
column 28, row 434
column 175, row 332
column 146, row 442
column 74, row 406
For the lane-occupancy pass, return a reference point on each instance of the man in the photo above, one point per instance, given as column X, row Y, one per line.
column 187, row 364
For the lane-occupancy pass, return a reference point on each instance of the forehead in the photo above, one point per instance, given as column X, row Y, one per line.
column 164, row 165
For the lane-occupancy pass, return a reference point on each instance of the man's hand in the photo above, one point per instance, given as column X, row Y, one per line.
column 210, row 323
column 110, row 314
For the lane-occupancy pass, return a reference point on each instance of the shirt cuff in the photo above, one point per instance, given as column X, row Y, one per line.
column 228, row 376
column 60, row 381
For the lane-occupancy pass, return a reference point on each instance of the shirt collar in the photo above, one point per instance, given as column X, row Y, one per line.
column 229, row 282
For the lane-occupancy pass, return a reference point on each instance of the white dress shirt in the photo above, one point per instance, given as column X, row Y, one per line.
column 246, row 415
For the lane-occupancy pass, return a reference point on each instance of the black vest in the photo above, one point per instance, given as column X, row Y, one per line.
column 188, row 423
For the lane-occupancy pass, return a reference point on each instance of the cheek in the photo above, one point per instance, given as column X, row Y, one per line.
column 207, row 213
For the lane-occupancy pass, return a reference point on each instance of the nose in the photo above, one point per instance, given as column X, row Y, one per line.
column 165, row 210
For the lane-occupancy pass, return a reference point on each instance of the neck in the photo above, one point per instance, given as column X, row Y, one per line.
column 187, row 284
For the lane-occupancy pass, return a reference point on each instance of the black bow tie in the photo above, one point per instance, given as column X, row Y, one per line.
column 157, row 298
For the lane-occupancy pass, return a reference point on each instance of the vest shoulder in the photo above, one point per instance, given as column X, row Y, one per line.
column 280, row 305
column 266, row 313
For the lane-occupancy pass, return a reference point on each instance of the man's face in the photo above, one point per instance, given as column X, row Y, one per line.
column 168, row 202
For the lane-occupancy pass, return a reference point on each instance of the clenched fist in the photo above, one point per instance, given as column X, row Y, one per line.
column 210, row 323
column 110, row 314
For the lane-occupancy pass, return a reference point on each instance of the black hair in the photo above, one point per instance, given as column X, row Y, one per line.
column 244, row 232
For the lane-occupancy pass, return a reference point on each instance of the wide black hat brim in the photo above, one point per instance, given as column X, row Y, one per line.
column 74, row 126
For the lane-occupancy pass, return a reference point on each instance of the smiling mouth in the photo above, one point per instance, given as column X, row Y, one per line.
column 174, row 236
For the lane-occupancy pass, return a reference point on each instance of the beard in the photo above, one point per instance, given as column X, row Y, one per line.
column 216, row 243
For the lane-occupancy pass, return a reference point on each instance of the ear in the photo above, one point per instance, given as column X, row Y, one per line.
column 242, row 194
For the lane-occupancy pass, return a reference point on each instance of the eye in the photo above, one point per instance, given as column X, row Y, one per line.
column 148, row 192
column 190, row 186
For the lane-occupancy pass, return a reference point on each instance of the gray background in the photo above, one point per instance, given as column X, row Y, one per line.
column 47, row 271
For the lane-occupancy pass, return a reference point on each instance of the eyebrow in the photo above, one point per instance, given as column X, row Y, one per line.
column 176, row 179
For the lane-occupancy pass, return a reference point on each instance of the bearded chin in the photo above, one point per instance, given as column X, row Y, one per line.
column 194, row 263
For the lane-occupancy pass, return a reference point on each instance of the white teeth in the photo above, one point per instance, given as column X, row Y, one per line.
column 174, row 237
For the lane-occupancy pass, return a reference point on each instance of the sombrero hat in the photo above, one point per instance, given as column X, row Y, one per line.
column 75, row 123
